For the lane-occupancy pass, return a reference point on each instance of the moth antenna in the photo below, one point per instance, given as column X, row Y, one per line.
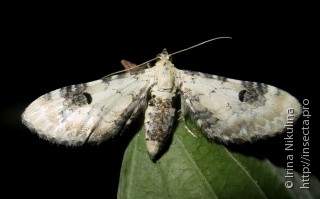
column 146, row 62
column 199, row 44
column 194, row 46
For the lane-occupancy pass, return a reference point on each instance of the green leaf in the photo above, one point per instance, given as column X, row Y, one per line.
column 195, row 168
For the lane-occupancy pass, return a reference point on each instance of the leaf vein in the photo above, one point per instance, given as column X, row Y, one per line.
column 193, row 163
column 246, row 172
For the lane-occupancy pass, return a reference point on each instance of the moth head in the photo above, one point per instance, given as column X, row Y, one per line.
column 164, row 55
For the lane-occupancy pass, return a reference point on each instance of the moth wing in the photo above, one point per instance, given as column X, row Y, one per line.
column 236, row 111
column 92, row 112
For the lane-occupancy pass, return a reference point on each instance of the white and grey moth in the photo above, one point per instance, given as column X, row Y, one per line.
column 225, row 109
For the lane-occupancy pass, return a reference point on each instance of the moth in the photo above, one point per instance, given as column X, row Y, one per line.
column 225, row 109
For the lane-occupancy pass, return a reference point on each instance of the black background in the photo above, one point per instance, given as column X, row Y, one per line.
column 55, row 46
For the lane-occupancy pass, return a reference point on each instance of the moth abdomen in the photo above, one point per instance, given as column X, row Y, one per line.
column 158, row 122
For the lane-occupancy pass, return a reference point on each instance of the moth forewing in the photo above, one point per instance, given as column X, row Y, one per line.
column 236, row 111
column 90, row 112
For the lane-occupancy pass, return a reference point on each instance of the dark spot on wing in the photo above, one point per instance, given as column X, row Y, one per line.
column 79, row 87
column 248, row 85
column 71, row 91
column 241, row 95
column 82, row 99
column 250, row 96
column 68, row 89
column 188, row 72
column 207, row 118
column 106, row 78
column 262, row 88
column 75, row 95
column 88, row 97
column 209, row 76
column 254, row 93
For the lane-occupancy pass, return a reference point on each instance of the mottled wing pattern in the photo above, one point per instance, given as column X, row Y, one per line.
column 89, row 112
column 235, row 111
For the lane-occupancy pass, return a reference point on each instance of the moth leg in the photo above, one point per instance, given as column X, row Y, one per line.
column 187, row 128
column 128, row 65
column 132, row 66
column 184, row 112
